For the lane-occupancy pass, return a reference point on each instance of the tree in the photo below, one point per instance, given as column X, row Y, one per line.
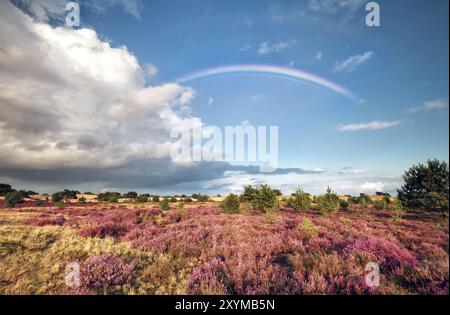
column 264, row 199
column 130, row 195
column 249, row 193
column 5, row 189
column 164, row 205
column 13, row 198
column 328, row 203
column 299, row 200
column 230, row 204
column 426, row 186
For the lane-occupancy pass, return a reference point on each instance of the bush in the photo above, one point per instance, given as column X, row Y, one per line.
column 165, row 205
column 344, row 205
column 108, row 196
column 40, row 203
column 173, row 199
column 308, row 226
column 230, row 204
column 130, row 195
column 82, row 200
column 58, row 196
column 13, row 198
column 142, row 198
column 200, row 197
column 397, row 209
column 155, row 199
column 249, row 194
column 426, row 186
column 380, row 205
column 299, row 200
column 328, row 203
column 264, row 199
column 101, row 274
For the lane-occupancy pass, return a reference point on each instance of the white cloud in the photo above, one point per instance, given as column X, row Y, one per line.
column 151, row 71
column 318, row 56
column 374, row 125
column 265, row 48
column 211, row 101
column 43, row 10
column 257, row 98
column 69, row 99
column 335, row 6
column 431, row 105
column 352, row 62
column 245, row 48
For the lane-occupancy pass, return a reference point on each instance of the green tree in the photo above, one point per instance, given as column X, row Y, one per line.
column 264, row 199
column 248, row 194
column 299, row 200
column 230, row 204
column 328, row 203
column 5, row 189
column 13, row 198
column 426, row 186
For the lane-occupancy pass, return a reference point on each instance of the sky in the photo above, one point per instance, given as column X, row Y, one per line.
column 91, row 107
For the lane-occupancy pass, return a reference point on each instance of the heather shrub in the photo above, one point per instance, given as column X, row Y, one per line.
column 104, row 274
column 230, row 204
column 265, row 198
column 13, row 198
column 387, row 254
column 103, row 230
column 328, row 203
column 299, row 200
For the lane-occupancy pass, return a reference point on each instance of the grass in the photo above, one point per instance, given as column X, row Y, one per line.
column 201, row 251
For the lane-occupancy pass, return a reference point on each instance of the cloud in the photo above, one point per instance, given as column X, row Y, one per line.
column 265, row 48
column 427, row 106
column 257, row 98
column 45, row 10
column 352, row 62
column 211, row 101
column 318, row 56
column 374, row 125
column 69, row 99
column 335, row 6
column 245, row 48
column 151, row 71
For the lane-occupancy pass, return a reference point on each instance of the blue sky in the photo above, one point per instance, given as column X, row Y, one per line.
column 399, row 71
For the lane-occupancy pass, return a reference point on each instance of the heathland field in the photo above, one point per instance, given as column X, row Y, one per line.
column 200, row 248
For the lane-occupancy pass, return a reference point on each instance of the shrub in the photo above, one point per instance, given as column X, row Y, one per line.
column 130, row 195
column 230, row 204
column 155, row 198
column 397, row 209
column 113, row 199
column 380, row 205
column 82, row 200
column 299, row 200
column 60, row 204
column 328, row 203
column 58, row 196
column 100, row 274
column 308, row 226
column 344, row 205
column 108, row 196
column 142, row 198
column 164, row 205
column 426, row 186
column 249, row 194
column 265, row 198
column 173, row 199
column 40, row 203
column 13, row 198
column 200, row 197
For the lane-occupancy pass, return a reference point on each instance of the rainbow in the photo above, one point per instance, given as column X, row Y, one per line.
column 285, row 72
